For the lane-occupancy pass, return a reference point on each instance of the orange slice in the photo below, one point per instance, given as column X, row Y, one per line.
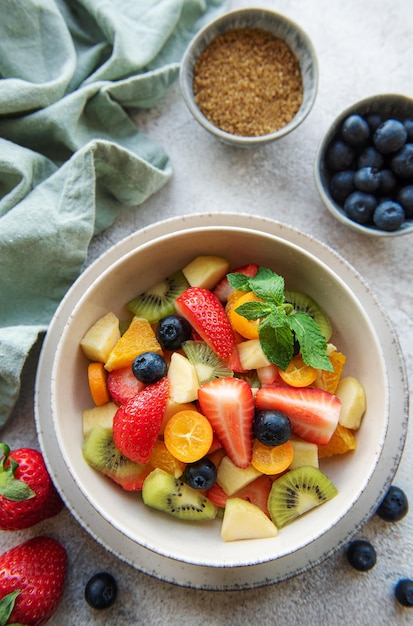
column 162, row 458
column 298, row 374
column 272, row 460
column 188, row 436
column 342, row 440
column 246, row 328
column 97, row 383
column 138, row 338
column 329, row 380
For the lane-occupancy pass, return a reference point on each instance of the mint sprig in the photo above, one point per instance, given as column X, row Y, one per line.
column 280, row 324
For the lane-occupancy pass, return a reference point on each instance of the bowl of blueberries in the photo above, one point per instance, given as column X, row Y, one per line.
column 364, row 166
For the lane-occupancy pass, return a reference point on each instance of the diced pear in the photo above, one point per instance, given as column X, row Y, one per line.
column 305, row 453
column 205, row 271
column 232, row 478
column 183, row 379
column 244, row 520
column 353, row 402
column 101, row 338
column 102, row 415
column 251, row 355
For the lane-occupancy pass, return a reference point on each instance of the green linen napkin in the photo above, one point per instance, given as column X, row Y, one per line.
column 70, row 157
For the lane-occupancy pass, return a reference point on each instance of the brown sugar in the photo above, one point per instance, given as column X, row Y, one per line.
column 247, row 82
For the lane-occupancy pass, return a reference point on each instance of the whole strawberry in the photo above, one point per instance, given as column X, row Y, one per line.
column 27, row 494
column 32, row 577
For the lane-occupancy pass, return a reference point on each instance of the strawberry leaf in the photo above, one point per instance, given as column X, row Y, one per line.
column 7, row 606
column 11, row 487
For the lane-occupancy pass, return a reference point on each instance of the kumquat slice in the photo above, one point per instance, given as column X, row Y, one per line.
column 188, row 436
column 96, row 374
column 298, row 374
column 272, row 459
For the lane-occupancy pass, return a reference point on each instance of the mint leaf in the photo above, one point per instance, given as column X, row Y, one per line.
column 277, row 342
column 313, row 345
column 239, row 281
column 253, row 310
column 268, row 286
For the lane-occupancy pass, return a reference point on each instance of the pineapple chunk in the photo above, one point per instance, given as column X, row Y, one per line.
column 244, row 520
column 101, row 338
column 305, row 453
column 102, row 415
column 232, row 478
column 353, row 402
column 205, row 271
column 183, row 379
column 251, row 355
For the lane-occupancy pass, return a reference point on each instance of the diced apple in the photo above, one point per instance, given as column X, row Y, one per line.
column 183, row 379
column 251, row 355
column 305, row 453
column 353, row 402
column 102, row 415
column 232, row 478
column 101, row 338
column 205, row 271
column 244, row 520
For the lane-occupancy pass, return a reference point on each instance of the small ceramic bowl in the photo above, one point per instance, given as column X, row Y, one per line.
column 388, row 106
column 194, row 554
column 279, row 26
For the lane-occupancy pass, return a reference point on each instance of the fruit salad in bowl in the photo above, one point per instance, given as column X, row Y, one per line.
column 215, row 392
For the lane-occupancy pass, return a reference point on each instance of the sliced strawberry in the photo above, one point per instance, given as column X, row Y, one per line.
column 223, row 288
column 215, row 445
column 207, row 316
column 234, row 362
column 313, row 413
column 137, row 423
column 123, row 385
column 217, row 495
column 256, row 492
column 229, row 406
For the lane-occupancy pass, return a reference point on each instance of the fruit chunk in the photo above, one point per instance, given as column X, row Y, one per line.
column 138, row 338
column 305, row 453
column 137, row 423
column 272, row 459
column 246, row 328
column 188, row 436
column 159, row 300
column 171, row 495
column 100, row 339
column 202, row 309
column 329, row 380
column 162, row 458
column 297, row 492
column 297, row 373
column 183, row 379
column 244, row 520
column 205, row 271
column 123, row 385
column 229, row 406
column 232, row 478
column 342, row 441
column 102, row 415
column 251, row 355
column 313, row 413
column 97, row 383
column 353, row 402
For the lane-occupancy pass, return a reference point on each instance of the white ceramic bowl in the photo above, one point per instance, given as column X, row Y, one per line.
column 189, row 553
column 284, row 29
column 388, row 105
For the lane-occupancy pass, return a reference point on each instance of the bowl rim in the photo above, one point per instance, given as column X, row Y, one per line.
column 363, row 106
column 203, row 577
column 224, row 21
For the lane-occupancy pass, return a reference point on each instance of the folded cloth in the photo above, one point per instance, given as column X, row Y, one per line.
column 70, row 156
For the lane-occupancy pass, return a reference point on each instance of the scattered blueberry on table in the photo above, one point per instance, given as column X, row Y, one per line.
column 101, row 591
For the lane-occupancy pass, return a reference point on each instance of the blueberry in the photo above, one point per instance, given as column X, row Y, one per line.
column 373, row 120
column 390, row 136
column 149, row 367
column 342, row 185
column 339, row 155
column 101, row 591
column 409, row 127
column 403, row 592
column 388, row 181
column 367, row 179
column 394, row 505
column 172, row 331
column 272, row 428
column 402, row 162
column 201, row 474
column 389, row 215
column 370, row 157
column 355, row 130
column 361, row 555
column 405, row 198
column 360, row 206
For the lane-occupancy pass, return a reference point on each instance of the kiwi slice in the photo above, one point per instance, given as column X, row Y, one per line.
column 207, row 363
column 100, row 452
column 159, row 301
column 171, row 495
column 302, row 302
column 298, row 491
